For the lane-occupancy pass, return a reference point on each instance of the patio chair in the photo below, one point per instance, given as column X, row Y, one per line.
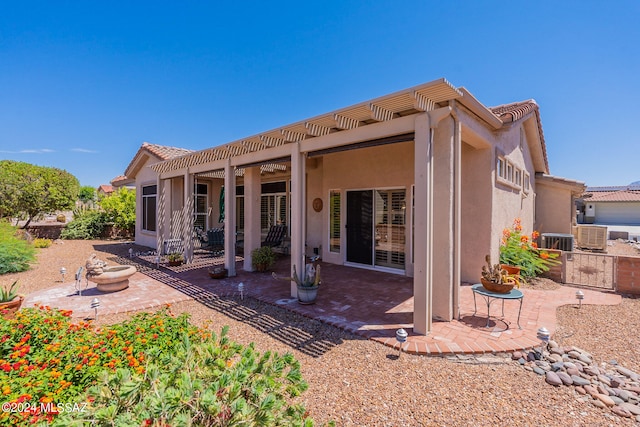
column 215, row 237
column 275, row 236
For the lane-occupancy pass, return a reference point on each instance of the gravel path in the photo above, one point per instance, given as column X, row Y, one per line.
column 361, row 383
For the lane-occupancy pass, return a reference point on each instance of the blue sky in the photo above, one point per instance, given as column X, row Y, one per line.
column 83, row 84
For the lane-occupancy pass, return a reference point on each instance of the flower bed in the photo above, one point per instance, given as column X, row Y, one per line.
column 55, row 371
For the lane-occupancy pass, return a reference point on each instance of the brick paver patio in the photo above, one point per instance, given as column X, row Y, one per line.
column 368, row 303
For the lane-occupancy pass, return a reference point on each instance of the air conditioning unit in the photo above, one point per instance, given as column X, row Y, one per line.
column 592, row 237
column 562, row 242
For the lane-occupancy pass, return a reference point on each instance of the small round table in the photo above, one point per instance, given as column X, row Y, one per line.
column 514, row 294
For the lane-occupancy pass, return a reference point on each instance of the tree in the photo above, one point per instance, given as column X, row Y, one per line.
column 27, row 190
column 120, row 208
column 87, row 194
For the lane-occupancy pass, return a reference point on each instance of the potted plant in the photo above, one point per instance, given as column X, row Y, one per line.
column 10, row 300
column 308, row 285
column 497, row 279
column 263, row 258
column 175, row 259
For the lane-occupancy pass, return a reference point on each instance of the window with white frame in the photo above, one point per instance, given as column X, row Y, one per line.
column 526, row 183
column 149, row 216
column 273, row 205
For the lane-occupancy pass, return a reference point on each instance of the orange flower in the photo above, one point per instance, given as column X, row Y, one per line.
column 535, row 235
column 524, row 238
column 544, row 255
column 534, row 245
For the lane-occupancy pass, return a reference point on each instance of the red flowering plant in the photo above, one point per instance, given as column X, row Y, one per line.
column 46, row 359
column 521, row 250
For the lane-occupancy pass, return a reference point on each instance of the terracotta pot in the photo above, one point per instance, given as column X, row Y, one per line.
column 8, row 309
column 261, row 267
column 511, row 269
column 219, row 273
column 175, row 263
column 499, row 288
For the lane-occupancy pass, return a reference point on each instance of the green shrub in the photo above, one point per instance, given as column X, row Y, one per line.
column 154, row 369
column 86, row 225
column 15, row 254
column 42, row 243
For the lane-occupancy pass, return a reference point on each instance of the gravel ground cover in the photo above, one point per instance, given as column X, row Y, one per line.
column 356, row 382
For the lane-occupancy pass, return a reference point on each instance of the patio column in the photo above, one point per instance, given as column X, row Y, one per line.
column 298, row 238
column 424, row 238
column 252, row 194
column 230, row 218
column 187, row 231
column 445, row 196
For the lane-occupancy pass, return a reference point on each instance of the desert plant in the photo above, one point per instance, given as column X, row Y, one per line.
column 263, row 256
column 493, row 272
column 86, row 225
column 16, row 254
column 311, row 276
column 61, row 218
column 9, row 293
column 41, row 243
column 175, row 257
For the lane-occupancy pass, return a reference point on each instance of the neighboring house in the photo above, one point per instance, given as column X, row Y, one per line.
column 104, row 190
column 122, row 181
column 420, row 182
column 619, row 205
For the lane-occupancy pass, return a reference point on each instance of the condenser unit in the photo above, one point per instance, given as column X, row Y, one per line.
column 592, row 237
column 561, row 242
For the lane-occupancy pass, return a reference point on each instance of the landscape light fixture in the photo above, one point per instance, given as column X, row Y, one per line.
column 579, row 297
column 95, row 303
column 543, row 336
column 63, row 271
column 157, row 261
column 241, row 290
column 130, row 252
column 401, row 337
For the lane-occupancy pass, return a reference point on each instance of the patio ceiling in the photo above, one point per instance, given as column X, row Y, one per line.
column 420, row 98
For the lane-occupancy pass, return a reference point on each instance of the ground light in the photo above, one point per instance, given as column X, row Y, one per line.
column 401, row 337
column 579, row 297
column 63, row 271
column 241, row 290
column 543, row 336
column 95, row 303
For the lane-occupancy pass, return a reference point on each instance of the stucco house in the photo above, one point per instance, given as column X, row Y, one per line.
column 617, row 205
column 420, row 182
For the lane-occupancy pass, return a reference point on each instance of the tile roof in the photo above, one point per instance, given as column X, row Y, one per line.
column 105, row 188
column 162, row 152
column 514, row 111
column 165, row 152
column 615, row 196
column 517, row 110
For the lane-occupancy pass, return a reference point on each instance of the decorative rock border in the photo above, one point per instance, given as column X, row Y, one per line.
column 615, row 387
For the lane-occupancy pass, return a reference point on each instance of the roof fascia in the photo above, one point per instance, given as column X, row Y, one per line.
column 479, row 109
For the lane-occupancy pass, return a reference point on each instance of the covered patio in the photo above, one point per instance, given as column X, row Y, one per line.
column 370, row 304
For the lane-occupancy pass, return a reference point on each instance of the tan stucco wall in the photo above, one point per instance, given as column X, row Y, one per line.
column 554, row 209
column 315, row 236
column 510, row 203
column 145, row 177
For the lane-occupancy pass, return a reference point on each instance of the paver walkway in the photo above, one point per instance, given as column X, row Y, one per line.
column 370, row 304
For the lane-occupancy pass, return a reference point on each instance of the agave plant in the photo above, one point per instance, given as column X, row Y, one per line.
column 8, row 294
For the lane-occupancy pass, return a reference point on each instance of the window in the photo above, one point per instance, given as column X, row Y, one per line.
column 526, row 183
column 500, row 167
column 273, row 205
column 149, row 194
column 517, row 177
column 200, row 206
column 334, row 221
